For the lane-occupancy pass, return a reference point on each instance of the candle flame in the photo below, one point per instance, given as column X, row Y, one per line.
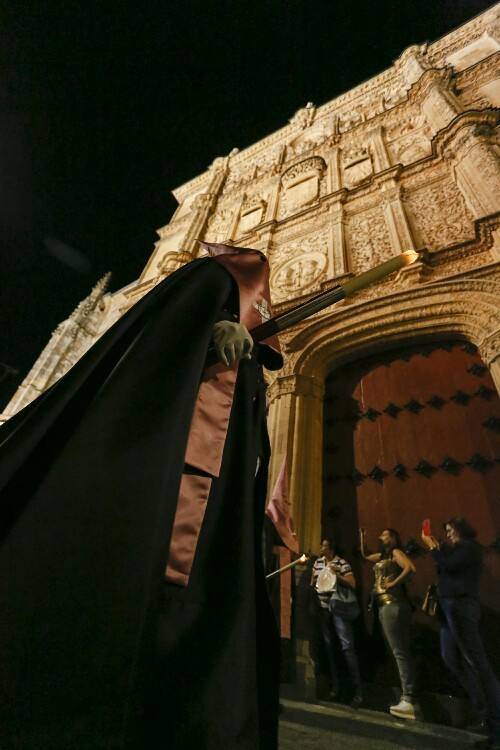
column 303, row 558
column 410, row 256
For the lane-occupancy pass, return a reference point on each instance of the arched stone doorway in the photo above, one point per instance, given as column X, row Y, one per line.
column 463, row 308
column 412, row 433
column 460, row 309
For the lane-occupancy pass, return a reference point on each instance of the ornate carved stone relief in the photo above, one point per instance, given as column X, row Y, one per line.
column 253, row 212
column 298, row 267
column 219, row 225
column 368, row 239
column 438, row 215
column 301, row 185
column 324, row 133
column 472, row 53
column 357, row 165
column 239, row 176
column 443, row 48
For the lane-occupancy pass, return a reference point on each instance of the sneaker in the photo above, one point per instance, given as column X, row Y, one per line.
column 403, row 710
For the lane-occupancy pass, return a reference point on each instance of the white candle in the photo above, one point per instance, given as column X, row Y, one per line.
column 379, row 272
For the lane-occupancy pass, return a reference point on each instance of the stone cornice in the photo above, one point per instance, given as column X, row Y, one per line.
column 464, row 34
column 434, row 56
column 477, row 74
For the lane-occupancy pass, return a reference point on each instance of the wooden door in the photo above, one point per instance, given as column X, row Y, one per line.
column 412, row 434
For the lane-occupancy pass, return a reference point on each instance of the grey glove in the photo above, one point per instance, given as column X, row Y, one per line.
column 232, row 342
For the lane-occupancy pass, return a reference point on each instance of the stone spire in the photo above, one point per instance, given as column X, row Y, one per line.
column 69, row 341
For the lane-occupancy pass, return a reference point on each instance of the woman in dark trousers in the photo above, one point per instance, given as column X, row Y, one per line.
column 459, row 563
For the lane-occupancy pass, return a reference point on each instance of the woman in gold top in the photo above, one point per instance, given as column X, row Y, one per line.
column 392, row 568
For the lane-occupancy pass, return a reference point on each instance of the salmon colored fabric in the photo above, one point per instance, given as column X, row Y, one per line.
column 279, row 510
column 212, row 410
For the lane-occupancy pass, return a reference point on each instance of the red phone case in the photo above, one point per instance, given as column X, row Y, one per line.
column 426, row 527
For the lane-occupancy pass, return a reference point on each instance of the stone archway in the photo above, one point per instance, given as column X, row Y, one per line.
column 463, row 307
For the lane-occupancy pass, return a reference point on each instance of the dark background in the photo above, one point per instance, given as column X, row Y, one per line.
column 107, row 106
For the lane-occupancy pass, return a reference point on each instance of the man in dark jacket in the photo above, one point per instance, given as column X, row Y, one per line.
column 132, row 593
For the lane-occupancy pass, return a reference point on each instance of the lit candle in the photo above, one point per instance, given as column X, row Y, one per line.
column 379, row 272
column 301, row 559
column 325, row 299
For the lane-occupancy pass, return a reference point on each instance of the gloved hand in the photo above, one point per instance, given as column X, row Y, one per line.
column 232, row 342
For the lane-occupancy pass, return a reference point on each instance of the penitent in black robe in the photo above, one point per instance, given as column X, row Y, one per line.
column 96, row 650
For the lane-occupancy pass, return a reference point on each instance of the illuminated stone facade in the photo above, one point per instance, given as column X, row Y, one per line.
column 410, row 159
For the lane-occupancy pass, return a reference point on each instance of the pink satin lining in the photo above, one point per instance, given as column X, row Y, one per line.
column 210, row 421
column 191, row 508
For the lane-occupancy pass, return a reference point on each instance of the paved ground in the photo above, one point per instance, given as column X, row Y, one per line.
column 306, row 726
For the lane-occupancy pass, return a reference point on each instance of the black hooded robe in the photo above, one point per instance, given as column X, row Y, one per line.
column 96, row 650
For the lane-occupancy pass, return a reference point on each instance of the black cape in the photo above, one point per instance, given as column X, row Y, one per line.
column 96, row 650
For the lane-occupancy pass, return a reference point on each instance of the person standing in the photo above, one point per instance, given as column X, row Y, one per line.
column 132, row 496
column 392, row 568
column 336, row 622
column 459, row 563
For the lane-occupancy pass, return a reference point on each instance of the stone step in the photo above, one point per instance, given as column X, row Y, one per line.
column 325, row 723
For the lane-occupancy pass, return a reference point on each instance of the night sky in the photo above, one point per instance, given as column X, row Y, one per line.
column 105, row 107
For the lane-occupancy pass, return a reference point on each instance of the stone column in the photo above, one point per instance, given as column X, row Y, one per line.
column 489, row 349
column 395, row 216
column 476, row 160
column 296, row 428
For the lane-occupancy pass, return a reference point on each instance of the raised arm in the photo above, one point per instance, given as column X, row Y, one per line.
column 374, row 556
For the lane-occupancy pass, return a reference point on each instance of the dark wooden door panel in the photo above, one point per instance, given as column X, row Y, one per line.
column 414, row 434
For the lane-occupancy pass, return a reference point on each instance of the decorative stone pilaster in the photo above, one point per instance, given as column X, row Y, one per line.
column 476, row 160
column 437, row 101
column 205, row 202
column 489, row 349
column 338, row 263
column 395, row 216
column 334, row 180
column 380, row 154
column 296, row 426
column 413, row 63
